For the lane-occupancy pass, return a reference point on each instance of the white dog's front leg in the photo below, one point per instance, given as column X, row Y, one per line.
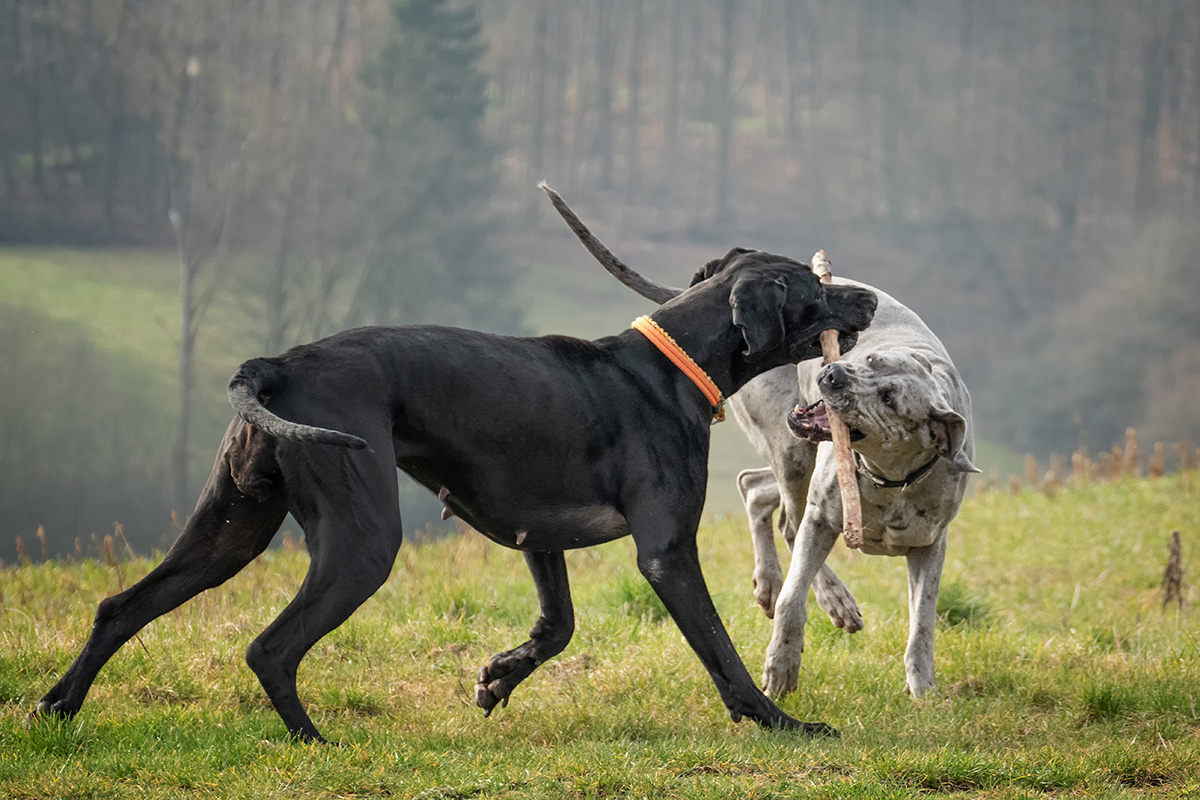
column 760, row 493
column 924, row 580
column 814, row 540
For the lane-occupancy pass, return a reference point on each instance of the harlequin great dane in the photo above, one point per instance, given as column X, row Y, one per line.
column 909, row 413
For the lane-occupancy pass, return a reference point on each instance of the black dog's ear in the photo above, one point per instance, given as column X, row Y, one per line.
column 949, row 432
column 758, row 312
column 718, row 264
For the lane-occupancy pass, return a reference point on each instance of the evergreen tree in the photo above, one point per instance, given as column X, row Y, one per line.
column 432, row 177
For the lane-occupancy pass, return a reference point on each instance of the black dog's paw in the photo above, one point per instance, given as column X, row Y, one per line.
column 504, row 671
column 487, row 692
column 806, row 728
column 780, row 721
column 819, row 729
column 311, row 737
column 51, row 709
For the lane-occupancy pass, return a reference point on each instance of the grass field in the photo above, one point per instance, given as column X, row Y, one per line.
column 1061, row 675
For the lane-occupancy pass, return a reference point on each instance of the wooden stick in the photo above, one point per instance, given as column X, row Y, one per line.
column 852, row 527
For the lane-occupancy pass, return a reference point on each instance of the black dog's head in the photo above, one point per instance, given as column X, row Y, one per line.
column 780, row 307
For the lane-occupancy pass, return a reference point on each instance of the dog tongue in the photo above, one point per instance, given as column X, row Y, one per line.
column 810, row 422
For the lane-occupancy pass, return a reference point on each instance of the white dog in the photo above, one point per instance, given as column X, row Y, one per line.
column 909, row 416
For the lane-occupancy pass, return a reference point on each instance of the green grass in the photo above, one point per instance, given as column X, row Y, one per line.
column 1060, row 674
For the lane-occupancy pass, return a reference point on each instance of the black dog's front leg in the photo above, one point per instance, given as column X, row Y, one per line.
column 551, row 633
column 672, row 566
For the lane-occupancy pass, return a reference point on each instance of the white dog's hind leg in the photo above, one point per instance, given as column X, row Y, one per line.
column 924, row 579
column 834, row 598
column 760, row 493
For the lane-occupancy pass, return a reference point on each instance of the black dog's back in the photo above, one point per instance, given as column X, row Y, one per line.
column 520, row 433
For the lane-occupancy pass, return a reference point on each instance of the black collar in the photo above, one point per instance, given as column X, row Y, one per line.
column 903, row 483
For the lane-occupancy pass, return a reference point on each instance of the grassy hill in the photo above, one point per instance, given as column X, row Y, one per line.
column 89, row 358
column 1061, row 675
column 122, row 305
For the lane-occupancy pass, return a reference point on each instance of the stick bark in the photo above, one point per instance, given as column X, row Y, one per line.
column 852, row 527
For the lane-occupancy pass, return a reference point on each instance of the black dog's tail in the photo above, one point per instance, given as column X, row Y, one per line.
column 651, row 290
column 259, row 375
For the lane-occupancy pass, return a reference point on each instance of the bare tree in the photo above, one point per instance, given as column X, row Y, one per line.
column 633, row 141
column 606, row 61
column 726, row 117
column 204, row 148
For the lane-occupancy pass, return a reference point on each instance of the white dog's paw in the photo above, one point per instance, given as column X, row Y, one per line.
column 920, row 687
column 768, row 582
column 781, row 672
column 835, row 599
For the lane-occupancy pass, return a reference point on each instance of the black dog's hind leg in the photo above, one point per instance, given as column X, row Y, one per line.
column 671, row 563
column 224, row 533
column 346, row 502
column 549, row 636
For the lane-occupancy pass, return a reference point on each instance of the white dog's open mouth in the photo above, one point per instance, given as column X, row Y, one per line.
column 812, row 423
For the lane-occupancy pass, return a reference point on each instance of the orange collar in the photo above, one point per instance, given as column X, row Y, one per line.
column 663, row 341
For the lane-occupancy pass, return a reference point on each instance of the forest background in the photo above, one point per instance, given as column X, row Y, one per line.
column 184, row 185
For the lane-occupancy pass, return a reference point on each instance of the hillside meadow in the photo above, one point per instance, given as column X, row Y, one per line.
column 89, row 364
column 1061, row 674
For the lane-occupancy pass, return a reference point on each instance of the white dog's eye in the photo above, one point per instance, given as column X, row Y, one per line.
column 887, row 399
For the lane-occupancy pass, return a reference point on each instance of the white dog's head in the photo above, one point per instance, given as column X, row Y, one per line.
column 886, row 398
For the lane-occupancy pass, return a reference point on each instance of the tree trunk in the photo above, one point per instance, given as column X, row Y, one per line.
column 671, row 110
column 1196, row 137
column 29, row 81
column 9, row 58
column 1146, row 186
column 277, row 289
column 887, row 82
column 112, row 157
column 187, row 349
column 605, row 65
column 556, row 109
column 537, row 139
column 633, row 162
column 724, row 218
column 791, row 82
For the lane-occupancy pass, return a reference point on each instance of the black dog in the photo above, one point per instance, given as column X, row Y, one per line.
column 542, row 444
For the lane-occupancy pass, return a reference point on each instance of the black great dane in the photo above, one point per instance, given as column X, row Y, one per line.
column 542, row 444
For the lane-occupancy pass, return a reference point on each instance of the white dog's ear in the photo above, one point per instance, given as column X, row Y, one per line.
column 949, row 432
